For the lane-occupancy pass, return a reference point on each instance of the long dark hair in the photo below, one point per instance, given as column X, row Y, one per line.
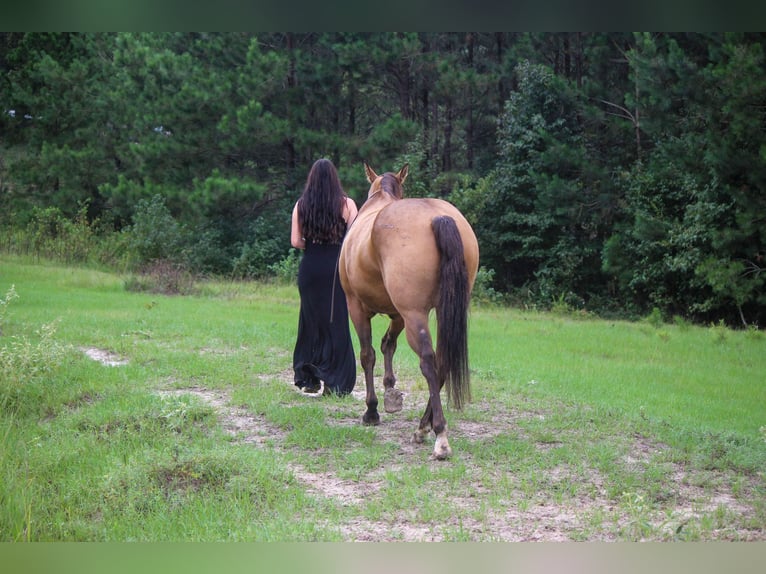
column 320, row 208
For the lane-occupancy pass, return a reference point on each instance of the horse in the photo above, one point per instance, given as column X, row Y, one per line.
column 403, row 257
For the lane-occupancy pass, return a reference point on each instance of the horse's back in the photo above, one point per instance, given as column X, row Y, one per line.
column 404, row 227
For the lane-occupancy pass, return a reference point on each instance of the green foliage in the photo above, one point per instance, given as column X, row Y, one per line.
column 70, row 143
column 655, row 318
column 50, row 234
column 533, row 213
column 265, row 245
column 620, row 171
column 55, row 236
column 655, row 258
column 689, row 243
column 161, row 276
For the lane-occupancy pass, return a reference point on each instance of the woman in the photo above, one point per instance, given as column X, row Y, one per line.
column 323, row 350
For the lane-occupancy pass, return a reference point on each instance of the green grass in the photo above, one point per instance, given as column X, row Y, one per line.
column 674, row 373
column 579, row 428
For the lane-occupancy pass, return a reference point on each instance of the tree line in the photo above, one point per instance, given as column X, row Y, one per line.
column 620, row 173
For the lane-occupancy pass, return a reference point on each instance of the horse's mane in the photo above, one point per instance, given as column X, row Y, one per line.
column 390, row 184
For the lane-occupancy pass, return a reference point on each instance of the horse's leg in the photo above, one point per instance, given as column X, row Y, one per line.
column 425, row 424
column 426, row 421
column 419, row 339
column 392, row 398
column 367, row 359
column 361, row 319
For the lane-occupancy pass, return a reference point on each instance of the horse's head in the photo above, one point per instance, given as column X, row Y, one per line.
column 389, row 182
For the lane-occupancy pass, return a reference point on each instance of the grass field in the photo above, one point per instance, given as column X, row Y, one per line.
column 132, row 416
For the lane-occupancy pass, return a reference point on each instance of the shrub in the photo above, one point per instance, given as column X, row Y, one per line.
column 155, row 234
column 286, row 270
column 483, row 293
column 161, row 276
column 26, row 367
column 655, row 318
column 267, row 248
column 55, row 236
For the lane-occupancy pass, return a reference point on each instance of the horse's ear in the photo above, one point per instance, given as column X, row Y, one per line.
column 403, row 173
column 371, row 175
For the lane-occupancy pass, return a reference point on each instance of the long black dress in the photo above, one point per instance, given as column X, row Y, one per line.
column 323, row 349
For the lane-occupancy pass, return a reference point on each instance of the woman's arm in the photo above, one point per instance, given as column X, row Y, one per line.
column 349, row 211
column 296, row 233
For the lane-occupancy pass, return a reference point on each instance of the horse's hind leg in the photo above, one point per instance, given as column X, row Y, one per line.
column 433, row 417
column 425, row 425
column 392, row 398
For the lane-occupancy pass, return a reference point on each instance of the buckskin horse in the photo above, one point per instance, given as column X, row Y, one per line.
column 403, row 258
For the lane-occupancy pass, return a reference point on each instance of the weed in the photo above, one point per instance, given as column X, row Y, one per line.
column 10, row 295
column 719, row 331
column 639, row 525
column 483, row 293
column 24, row 368
column 754, row 333
column 655, row 318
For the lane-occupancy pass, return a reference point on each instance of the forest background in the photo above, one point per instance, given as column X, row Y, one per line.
column 621, row 174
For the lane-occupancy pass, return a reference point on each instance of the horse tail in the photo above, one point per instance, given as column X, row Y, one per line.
column 452, row 311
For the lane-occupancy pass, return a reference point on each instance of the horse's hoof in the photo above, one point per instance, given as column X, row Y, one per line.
column 392, row 400
column 442, row 454
column 419, row 437
column 442, row 450
column 371, row 419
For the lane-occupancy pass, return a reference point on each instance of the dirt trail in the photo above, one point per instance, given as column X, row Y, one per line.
column 514, row 520
column 511, row 519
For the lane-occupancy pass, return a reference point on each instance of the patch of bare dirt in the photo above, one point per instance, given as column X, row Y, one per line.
column 236, row 421
column 106, row 358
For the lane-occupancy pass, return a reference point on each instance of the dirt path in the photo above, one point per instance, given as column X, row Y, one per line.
column 510, row 519
column 516, row 520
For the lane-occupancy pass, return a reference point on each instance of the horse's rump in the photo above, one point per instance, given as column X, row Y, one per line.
column 403, row 239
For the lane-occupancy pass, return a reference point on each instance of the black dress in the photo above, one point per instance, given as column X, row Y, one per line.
column 323, row 349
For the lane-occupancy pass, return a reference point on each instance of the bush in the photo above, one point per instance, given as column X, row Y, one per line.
column 155, row 234
column 56, row 237
column 286, row 270
column 483, row 293
column 26, row 367
column 266, row 249
column 161, row 276
column 49, row 234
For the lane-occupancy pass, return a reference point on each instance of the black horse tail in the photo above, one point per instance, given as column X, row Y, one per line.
column 452, row 312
